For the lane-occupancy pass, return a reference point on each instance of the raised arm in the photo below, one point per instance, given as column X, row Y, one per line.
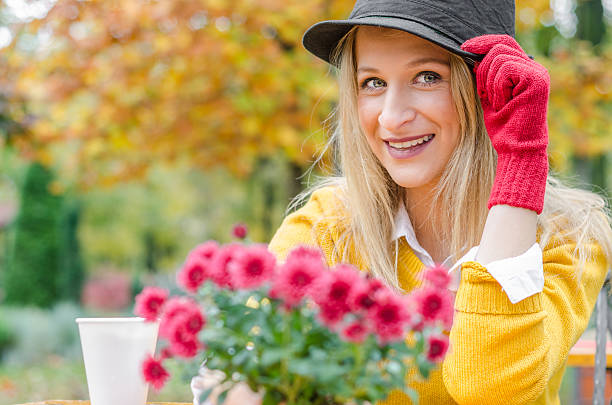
column 513, row 90
column 503, row 352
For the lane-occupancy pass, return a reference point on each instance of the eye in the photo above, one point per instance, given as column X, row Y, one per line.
column 372, row 83
column 427, row 78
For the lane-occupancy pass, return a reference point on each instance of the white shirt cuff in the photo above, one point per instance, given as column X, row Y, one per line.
column 520, row 276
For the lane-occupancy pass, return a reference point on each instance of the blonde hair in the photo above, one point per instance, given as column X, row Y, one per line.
column 462, row 192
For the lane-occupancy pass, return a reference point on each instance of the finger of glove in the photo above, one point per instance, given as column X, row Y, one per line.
column 484, row 43
column 519, row 82
column 485, row 70
column 510, row 77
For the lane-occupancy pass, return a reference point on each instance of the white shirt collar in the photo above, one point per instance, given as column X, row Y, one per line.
column 520, row 276
column 403, row 227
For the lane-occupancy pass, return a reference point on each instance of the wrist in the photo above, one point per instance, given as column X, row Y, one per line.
column 520, row 180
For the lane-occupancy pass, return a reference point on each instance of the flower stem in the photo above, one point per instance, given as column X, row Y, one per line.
column 294, row 391
column 286, row 338
column 358, row 356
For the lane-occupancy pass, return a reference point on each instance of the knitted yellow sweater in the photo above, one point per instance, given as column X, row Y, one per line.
column 500, row 353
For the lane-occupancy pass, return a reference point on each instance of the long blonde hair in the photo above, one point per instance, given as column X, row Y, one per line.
column 462, row 192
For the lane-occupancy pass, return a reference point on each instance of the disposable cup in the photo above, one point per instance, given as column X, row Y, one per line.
column 113, row 352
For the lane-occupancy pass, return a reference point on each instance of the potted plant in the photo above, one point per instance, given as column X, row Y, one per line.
column 297, row 332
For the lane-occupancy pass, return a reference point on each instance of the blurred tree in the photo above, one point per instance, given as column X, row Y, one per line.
column 44, row 264
column 33, row 267
column 72, row 272
column 592, row 28
column 112, row 87
column 580, row 109
column 125, row 84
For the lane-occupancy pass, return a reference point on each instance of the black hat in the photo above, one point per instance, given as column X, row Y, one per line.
column 445, row 23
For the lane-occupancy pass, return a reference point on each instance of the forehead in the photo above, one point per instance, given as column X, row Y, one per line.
column 378, row 42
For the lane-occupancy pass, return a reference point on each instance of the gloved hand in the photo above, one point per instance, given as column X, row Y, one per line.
column 513, row 91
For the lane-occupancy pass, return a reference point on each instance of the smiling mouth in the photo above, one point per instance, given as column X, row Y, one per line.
column 411, row 144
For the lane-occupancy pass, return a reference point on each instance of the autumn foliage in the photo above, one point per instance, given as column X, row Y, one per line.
column 114, row 86
column 126, row 84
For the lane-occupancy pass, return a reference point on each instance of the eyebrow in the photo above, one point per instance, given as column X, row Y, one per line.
column 420, row 61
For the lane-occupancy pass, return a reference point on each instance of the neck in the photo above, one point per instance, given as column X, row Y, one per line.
column 418, row 202
column 427, row 222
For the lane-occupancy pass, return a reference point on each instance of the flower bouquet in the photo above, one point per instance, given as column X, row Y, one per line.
column 298, row 332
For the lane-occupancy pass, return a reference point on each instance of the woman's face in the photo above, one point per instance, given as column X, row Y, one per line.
column 405, row 104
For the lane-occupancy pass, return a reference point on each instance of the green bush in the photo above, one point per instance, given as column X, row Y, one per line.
column 31, row 276
column 7, row 338
column 71, row 274
column 44, row 265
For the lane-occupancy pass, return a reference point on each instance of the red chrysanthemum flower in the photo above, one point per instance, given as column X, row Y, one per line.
column 240, row 231
column 355, row 332
column 193, row 274
column 183, row 343
column 219, row 266
column 149, row 302
column 154, row 372
column 332, row 291
column 433, row 304
column 438, row 276
column 330, row 314
column 334, row 287
column 296, row 277
column 192, row 320
column 165, row 353
column 362, row 294
column 389, row 316
column 187, row 310
column 375, row 284
column 252, row 266
column 304, row 251
column 437, row 345
column 205, row 251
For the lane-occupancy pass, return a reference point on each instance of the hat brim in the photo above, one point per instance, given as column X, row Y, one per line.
column 322, row 38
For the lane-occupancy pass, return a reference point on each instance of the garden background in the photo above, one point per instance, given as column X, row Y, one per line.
column 130, row 131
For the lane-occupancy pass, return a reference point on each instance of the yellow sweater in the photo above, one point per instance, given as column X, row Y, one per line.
column 500, row 353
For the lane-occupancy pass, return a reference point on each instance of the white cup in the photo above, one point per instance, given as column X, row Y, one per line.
column 113, row 352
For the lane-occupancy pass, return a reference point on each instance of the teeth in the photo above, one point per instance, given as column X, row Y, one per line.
column 402, row 145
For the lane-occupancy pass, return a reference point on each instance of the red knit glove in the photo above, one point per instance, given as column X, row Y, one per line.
column 513, row 91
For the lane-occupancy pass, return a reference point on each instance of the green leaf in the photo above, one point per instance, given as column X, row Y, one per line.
column 270, row 398
column 222, row 397
column 241, row 358
column 394, row 367
column 331, row 372
column 305, row 367
column 272, row 356
column 204, row 395
column 423, row 365
column 413, row 394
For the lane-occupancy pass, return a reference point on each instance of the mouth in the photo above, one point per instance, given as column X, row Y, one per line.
column 411, row 145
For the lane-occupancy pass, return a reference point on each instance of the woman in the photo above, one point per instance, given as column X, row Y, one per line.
column 441, row 140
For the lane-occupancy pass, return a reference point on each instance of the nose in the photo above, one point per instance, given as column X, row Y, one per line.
column 398, row 110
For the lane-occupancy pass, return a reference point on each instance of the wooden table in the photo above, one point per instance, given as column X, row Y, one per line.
column 583, row 353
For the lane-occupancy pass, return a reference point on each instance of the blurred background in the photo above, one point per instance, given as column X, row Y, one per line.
column 132, row 130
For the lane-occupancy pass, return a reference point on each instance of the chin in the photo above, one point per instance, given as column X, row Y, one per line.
column 413, row 179
column 409, row 182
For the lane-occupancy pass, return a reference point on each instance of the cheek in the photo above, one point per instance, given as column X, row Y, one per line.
column 368, row 114
column 451, row 123
column 441, row 110
column 368, row 110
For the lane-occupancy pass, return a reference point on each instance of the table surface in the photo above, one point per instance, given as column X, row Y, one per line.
column 583, row 352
